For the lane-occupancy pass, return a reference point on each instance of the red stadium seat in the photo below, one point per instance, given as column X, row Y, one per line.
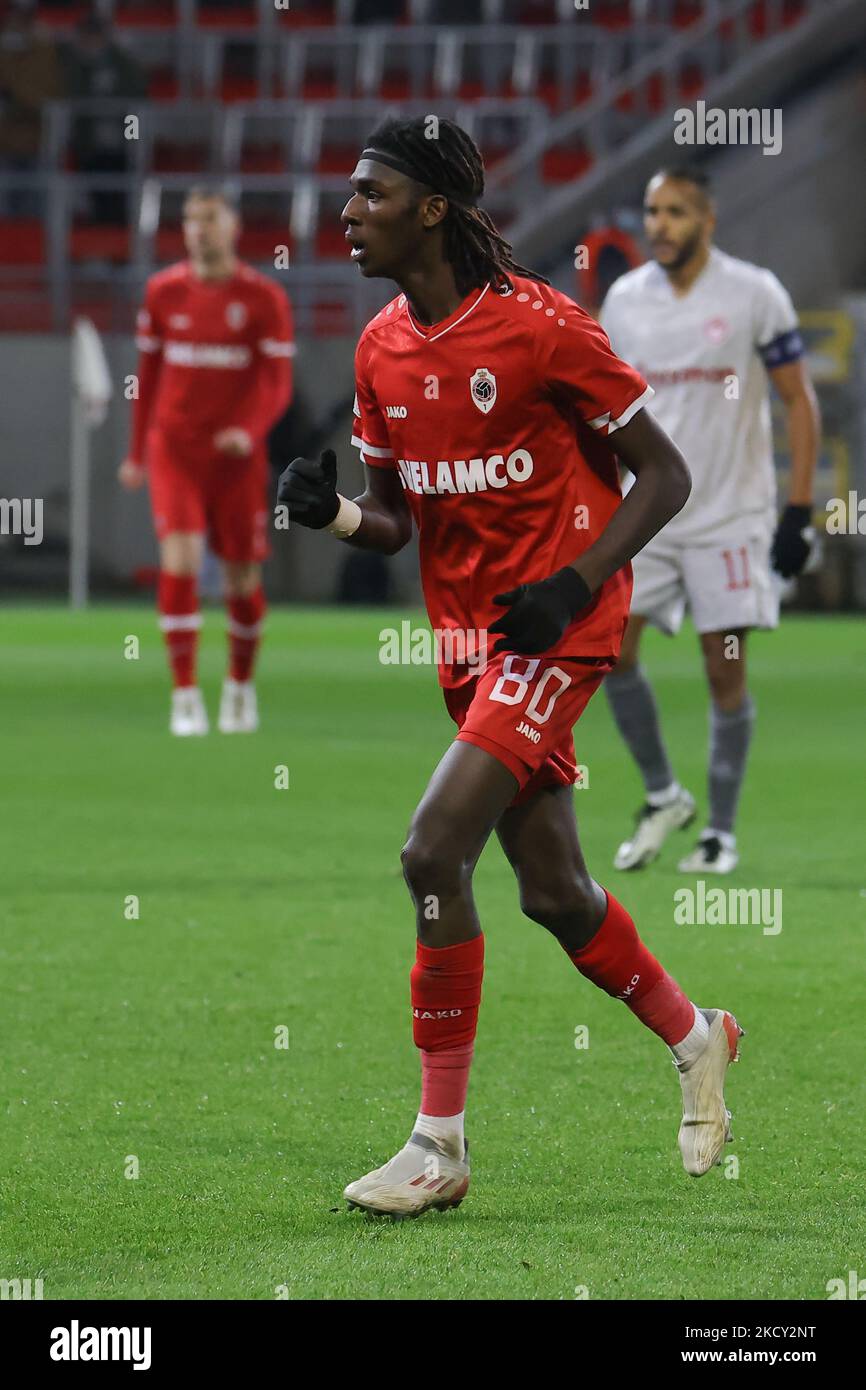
column 396, row 87
column 331, row 242
column 320, row 87
column 582, row 90
column 239, row 17
column 691, row 82
column 561, row 165
column 150, row 14
column 236, row 88
column 63, row 16
column 687, row 12
column 259, row 240
column 26, row 315
column 162, row 85
column 548, row 92
column 759, row 16
column 537, row 12
column 100, row 311
column 264, row 159
column 99, row 243
column 304, row 14
column 22, row 241
column 169, row 245
column 171, row 158
column 612, row 14
column 338, row 159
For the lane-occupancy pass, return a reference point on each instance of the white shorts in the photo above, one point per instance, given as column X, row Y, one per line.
column 727, row 584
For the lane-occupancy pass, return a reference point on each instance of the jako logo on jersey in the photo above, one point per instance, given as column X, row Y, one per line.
column 396, row 412
column 436, row 1013
column 532, row 734
column 476, row 475
column 236, row 314
column 482, row 385
column 206, row 355
column 630, row 987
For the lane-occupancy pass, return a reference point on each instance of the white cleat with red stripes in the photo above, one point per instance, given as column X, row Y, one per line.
column 421, row 1177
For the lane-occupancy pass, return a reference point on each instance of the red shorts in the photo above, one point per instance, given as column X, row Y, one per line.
column 522, row 710
column 223, row 498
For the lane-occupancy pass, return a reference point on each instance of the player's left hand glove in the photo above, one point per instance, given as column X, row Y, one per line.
column 309, row 489
column 790, row 547
column 539, row 613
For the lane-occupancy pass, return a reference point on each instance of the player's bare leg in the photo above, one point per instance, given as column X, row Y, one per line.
column 541, row 842
column 180, row 556
column 245, row 604
column 668, row 806
column 732, row 718
column 466, row 796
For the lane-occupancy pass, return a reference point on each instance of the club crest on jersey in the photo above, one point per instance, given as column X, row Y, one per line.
column 482, row 386
column 236, row 314
column 717, row 329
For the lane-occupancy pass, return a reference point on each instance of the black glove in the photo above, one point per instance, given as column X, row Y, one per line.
column 790, row 547
column 309, row 489
column 539, row 613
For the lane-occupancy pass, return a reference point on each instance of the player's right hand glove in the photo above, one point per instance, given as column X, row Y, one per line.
column 309, row 489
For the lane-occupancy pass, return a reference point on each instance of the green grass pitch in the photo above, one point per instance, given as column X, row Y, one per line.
column 151, row 1041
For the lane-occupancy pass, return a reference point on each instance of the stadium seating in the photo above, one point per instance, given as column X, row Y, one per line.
column 273, row 97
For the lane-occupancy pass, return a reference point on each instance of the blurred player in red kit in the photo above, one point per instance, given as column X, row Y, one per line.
column 491, row 411
column 215, row 343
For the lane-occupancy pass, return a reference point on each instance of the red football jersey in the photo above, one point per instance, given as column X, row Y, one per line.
column 213, row 355
column 498, row 421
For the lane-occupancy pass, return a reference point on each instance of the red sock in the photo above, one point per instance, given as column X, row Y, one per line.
column 180, row 622
column 245, row 630
column 618, row 962
column 446, row 994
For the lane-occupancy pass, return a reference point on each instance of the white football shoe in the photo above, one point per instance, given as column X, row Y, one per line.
column 421, row 1177
column 239, row 709
column 654, row 825
column 713, row 854
column 188, row 713
column 706, row 1122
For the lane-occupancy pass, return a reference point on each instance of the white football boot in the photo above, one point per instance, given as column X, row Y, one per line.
column 239, row 709
column 188, row 713
column 715, row 853
column 421, row 1177
column 706, row 1122
column 654, row 825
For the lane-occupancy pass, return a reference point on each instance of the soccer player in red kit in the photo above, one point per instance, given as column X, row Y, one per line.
column 215, row 347
column 491, row 410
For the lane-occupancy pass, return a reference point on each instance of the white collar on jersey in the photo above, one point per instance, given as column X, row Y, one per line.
column 433, row 336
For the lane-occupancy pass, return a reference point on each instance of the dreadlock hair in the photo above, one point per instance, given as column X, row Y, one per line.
column 447, row 160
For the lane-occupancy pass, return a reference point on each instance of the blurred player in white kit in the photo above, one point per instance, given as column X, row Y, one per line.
column 708, row 332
